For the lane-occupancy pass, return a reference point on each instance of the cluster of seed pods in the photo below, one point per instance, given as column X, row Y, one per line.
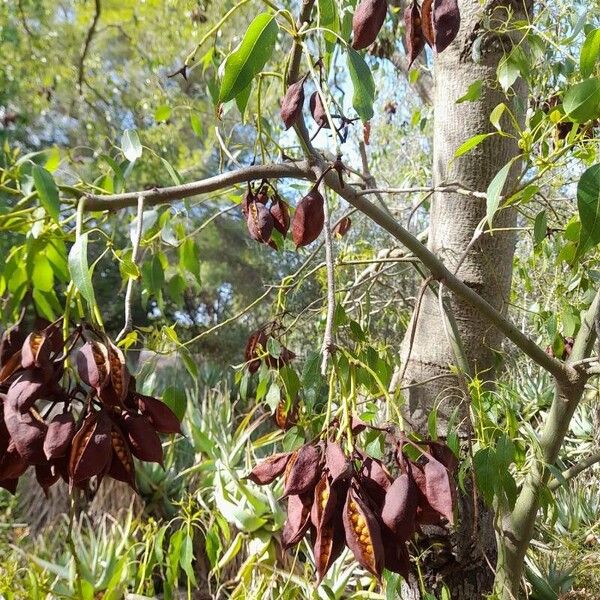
column 342, row 499
column 77, row 424
column 256, row 350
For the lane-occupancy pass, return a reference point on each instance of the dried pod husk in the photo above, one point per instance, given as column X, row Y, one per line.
column 10, row 485
column 444, row 454
column 91, row 449
column 256, row 342
column 269, row 469
column 286, row 417
column 446, row 23
column 426, row 514
column 11, row 342
column 280, row 211
column 427, row 21
column 142, row 438
column 163, row 419
column 375, row 480
column 46, row 476
column 439, row 489
column 292, row 103
column 367, row 22
column 121, row 467
column 298, row 520
column 12, row 366
column 27, row 430
column 400, row 507
column 309, row 219
column 329, row 543
column 59, row 435
column 247, row 199
column 415, row 40
column 363, row 534
column 262, row 197
column 324, row 503
column 260, row 222
column 285, row 357
column 341, row 227
column 12, row 464
column 119, row 373
column 337, row 463
column 396, row 553
column 29, row 386
column 304, row 472
column 93, row 365
column 317, row 111
column 36, row 351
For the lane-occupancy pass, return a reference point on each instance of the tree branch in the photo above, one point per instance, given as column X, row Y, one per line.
column 573, row 471
column 86, row 45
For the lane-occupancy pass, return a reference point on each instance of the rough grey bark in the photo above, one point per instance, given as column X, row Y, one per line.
column 485, row 265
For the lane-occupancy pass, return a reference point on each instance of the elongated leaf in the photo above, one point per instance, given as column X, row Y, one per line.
column 494, row 191
column 79, row 269
column 590, row 53
column 363, row 85
column 249, row 57
column 588, row 205
column 130, row 145
column 582, row 101
column 471, row 143
column 328, row 18
column 47, row 191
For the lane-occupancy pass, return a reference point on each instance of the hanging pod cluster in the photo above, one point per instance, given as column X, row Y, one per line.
column 39, row 426
column 262, row 219
column 435, row 22
column 256, row 352
column 353, row 500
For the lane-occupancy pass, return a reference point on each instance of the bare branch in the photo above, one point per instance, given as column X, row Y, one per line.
column 86, row 45
column 573, row 471
column 328, row 343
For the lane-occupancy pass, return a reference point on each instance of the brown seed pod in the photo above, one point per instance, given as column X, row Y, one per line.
column 269, row 469
column 263, row 195
column 285, row 357
column 337, row 463
column 286, row 417
column 317, row 111
column 400, row 507
column 12, row 365
column 363, row 534
column 10, row 485
column 280, row 211
column 27, row 430
column 59, row 435
column 426, row 514
column 396, row 553
column 260, row 222
column 46, row 476
column 163, row 419
column 292, row 103
column 255, row 345
column 247, row 199
column 119, row 373
column 446, row 23
column 91, row 448
column 35, row 351
column 122, row 467
column 367, row 21
column 11, row 342
column 415, row 40
column 329, row 544
column 427, row 21
column 375, row 480
column 309, row 219
column 93, row 365
column 29, row 386
column 439, row 489
column 304, row 472
column 341, row 227
column 142, row 438
column 298, row 520
column 12, row 464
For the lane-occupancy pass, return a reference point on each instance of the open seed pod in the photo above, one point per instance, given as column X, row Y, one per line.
column 260, row 222
column 415, row 40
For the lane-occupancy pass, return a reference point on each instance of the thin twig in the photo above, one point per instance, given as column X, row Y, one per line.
column 573, row 471
column 135, row 257
column 86, row 45
column 328, row 341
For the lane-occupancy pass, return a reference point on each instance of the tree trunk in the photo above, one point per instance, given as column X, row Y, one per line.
column 485, row 265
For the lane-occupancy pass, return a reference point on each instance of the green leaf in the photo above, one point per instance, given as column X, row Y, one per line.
column 328, row 18
column 176, row 400
column 153, row 275
column 540, row 227
column 588, row 205
column 130, row 145
column 189, row 258
column 196, row 124
column 175, row 176
column 508, row 71
column 186, row 557
column 79, row 269
column 494, row 191
column 590, row 52
column 473, row 92
column 242, row 98
column 582, row 101
column 486, row 473
column 471, row 143
column 47, row 191
column 496, row 115
column 162, row 113
column 363, row 85
column 248, row 59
